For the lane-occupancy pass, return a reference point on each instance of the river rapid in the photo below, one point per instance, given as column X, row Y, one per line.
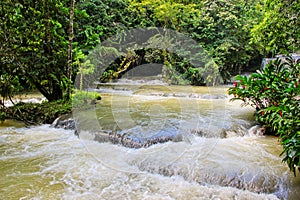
column 218, row 151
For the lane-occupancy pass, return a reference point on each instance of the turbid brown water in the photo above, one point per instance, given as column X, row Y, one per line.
column 219, row 155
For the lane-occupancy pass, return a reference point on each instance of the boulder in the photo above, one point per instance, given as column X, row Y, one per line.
column 64, row 123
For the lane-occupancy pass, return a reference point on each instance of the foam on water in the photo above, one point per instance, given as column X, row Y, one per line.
column 47, row 163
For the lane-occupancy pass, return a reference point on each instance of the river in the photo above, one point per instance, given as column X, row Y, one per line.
column 214, row 152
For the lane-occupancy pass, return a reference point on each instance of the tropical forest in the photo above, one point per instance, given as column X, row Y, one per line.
column 150, row 99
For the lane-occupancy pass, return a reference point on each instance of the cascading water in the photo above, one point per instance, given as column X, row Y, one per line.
column 217, row 153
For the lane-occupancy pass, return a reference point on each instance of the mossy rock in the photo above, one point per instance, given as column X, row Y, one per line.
column 35, row 113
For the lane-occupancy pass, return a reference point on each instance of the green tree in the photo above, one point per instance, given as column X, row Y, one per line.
column 97, row 20
column 224, row 32
column 34, row 44
column 70, row 52
column 221, row 27
column 274, row 92
column 278, row 30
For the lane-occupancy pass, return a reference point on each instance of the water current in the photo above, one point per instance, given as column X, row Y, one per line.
column 213, row 150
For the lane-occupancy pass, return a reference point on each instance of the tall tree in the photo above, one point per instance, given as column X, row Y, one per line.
column 34, row 43
column 70, row 53
column 278, row 31
column 222, row 27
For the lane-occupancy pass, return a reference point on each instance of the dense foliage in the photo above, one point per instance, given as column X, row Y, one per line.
column 275, row 93
column 236, row 34
column 34, row 46
column 84, row 99
column 277, row 31
column 47, row 112
column 35, row 113
column 40, row 51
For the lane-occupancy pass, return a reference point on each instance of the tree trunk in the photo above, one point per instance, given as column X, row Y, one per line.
column 71, row 35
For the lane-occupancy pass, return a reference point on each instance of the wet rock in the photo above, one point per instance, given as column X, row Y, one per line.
column 180, row 95
column 208, row 133
column 257, row 130
column 157, row 94
column 135, row 143
column 64, row 123
column 193, row 95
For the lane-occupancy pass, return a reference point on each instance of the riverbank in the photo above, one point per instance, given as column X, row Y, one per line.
column 35, row 111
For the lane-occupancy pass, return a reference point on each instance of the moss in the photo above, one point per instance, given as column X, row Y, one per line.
column 47, row 112
column 35, row 113
column 84, row 99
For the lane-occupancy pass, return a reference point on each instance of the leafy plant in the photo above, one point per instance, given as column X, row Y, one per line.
column 82, row 99
column 35, row 113
column 274, row 92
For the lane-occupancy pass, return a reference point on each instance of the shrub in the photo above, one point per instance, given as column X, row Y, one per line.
column 83, row 99
column 35, row 113
column 274, row 92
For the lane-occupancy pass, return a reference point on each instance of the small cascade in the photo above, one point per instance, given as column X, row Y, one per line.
column 257, row 183
column 133, row 139
column 229, row 162
column 147, row 142
column 48, row 163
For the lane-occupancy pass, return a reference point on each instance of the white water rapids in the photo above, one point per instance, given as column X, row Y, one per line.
column 47, row 163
